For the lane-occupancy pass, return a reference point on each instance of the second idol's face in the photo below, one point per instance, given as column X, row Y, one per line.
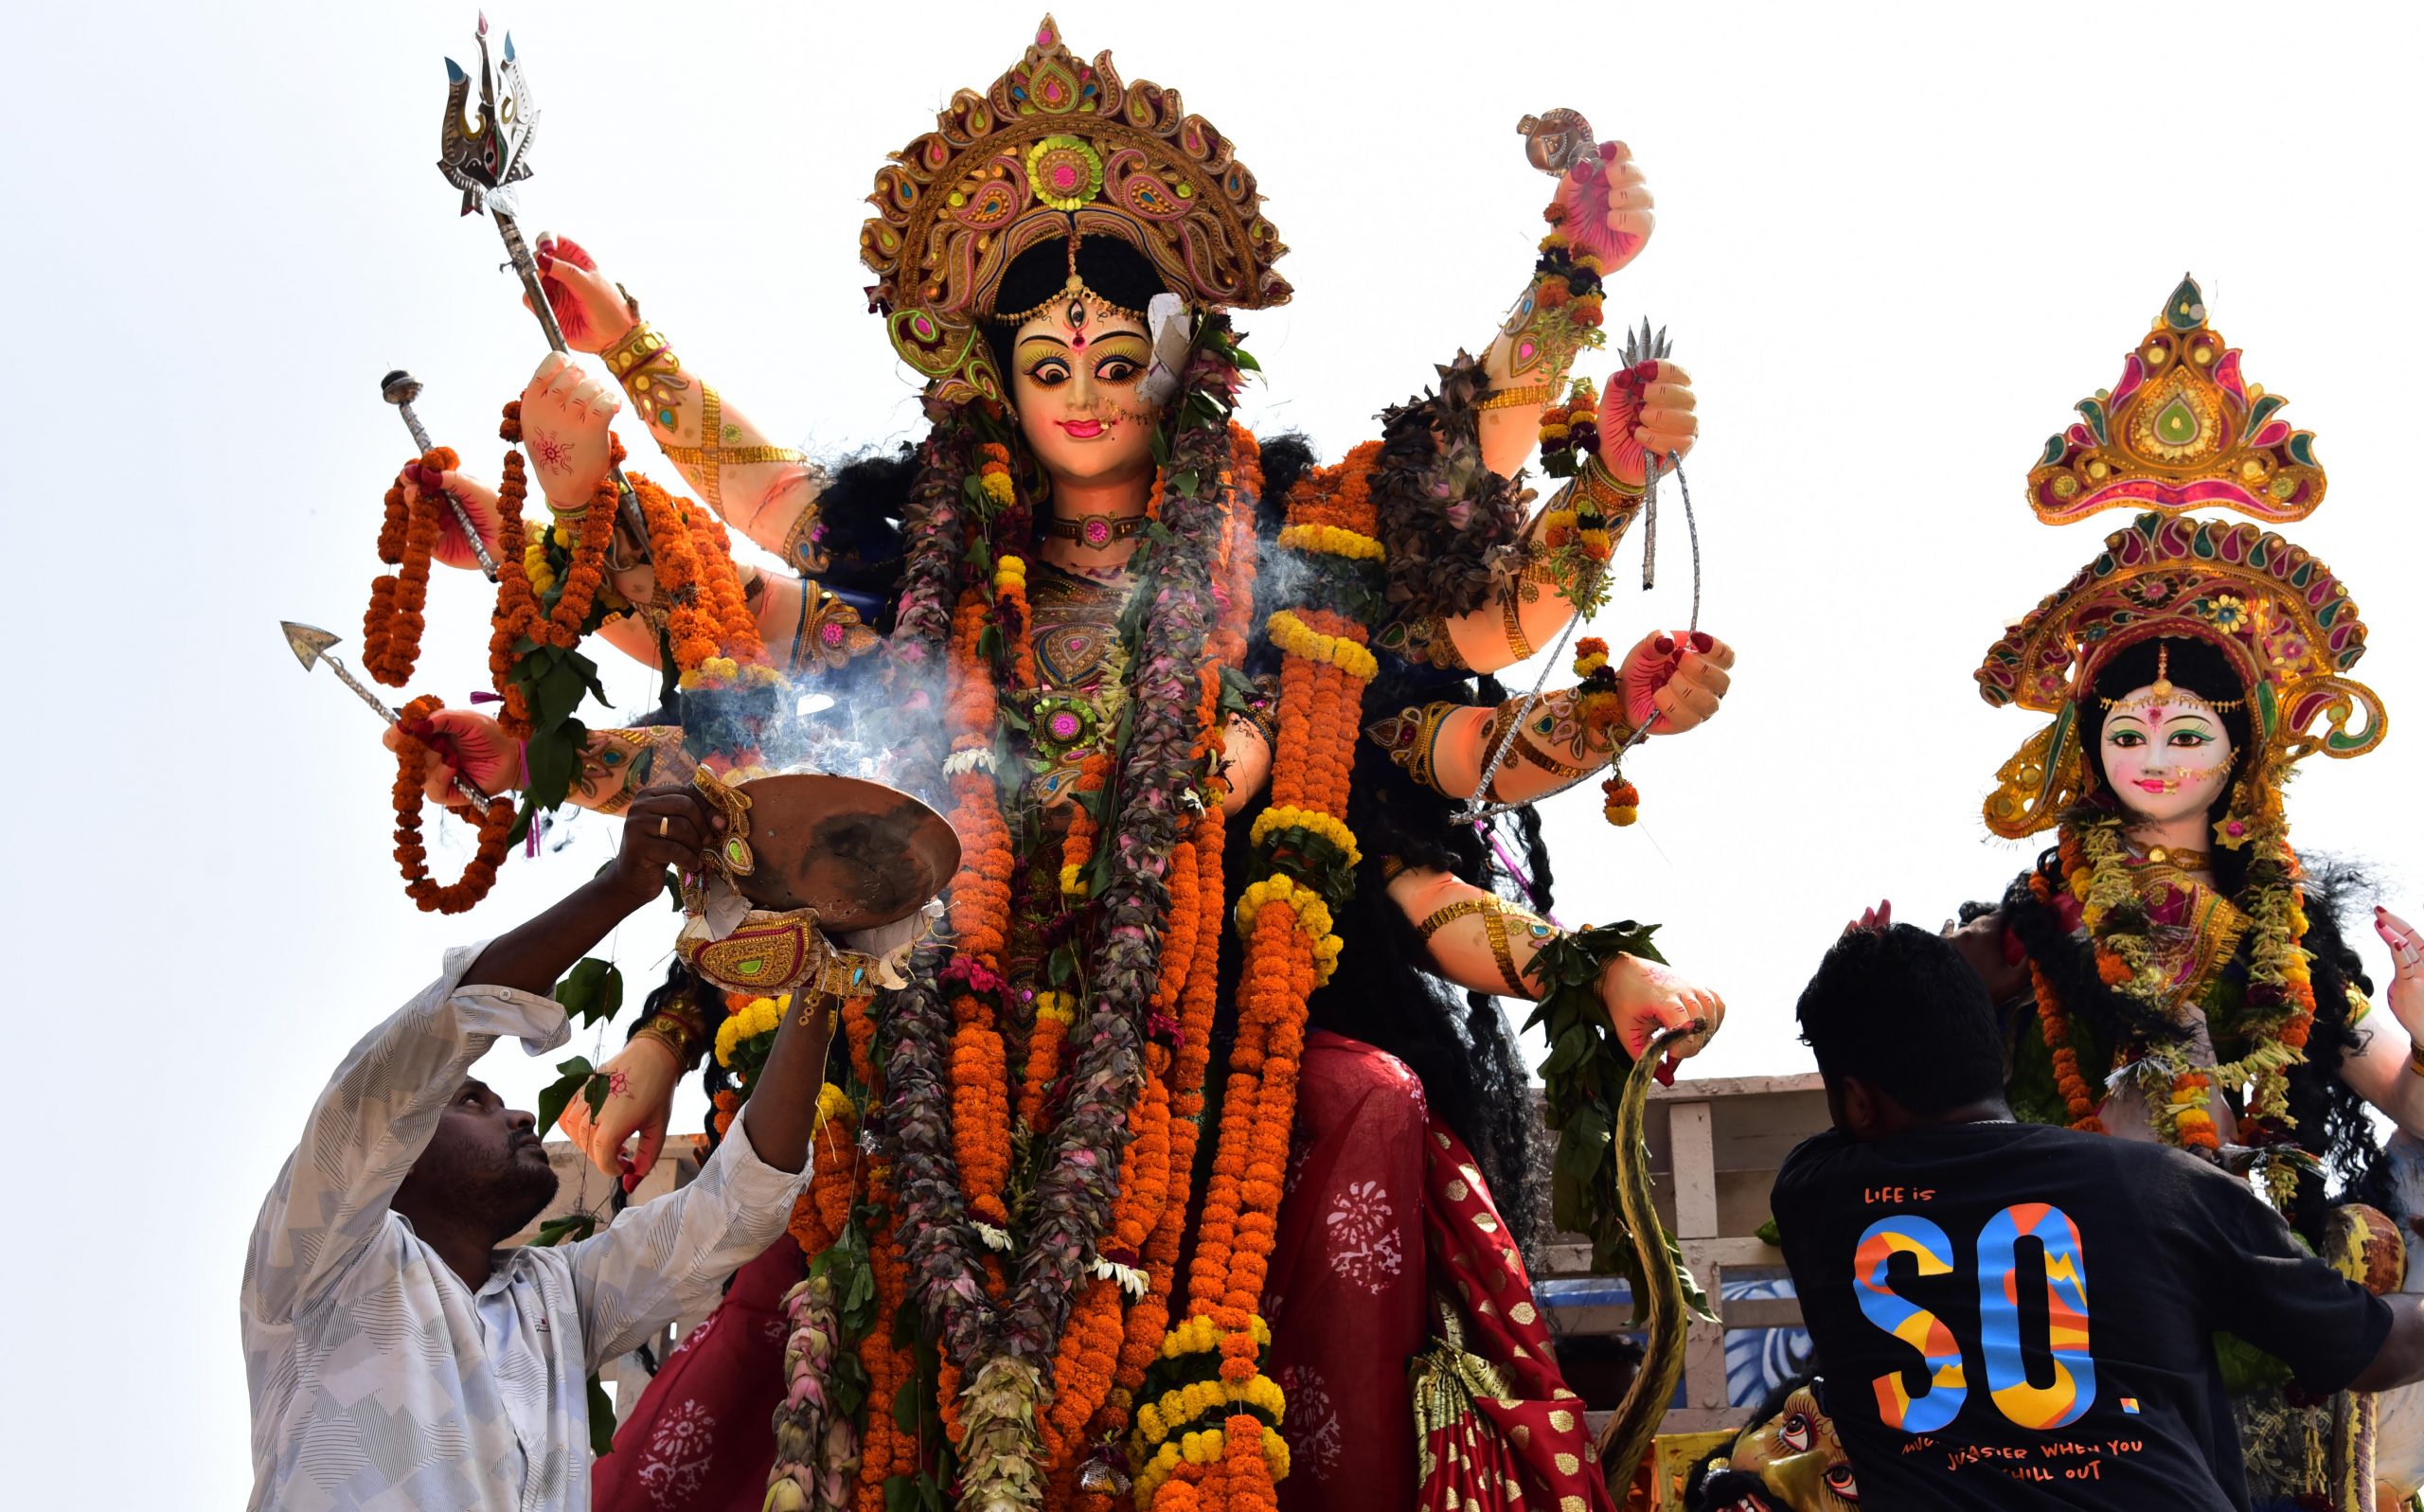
column 1073, row 373
column 2166, row 757
column 1792, row 1461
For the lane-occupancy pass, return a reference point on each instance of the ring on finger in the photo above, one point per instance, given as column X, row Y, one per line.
column 664, row 821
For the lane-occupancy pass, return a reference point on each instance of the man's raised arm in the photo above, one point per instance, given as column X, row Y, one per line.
column 372, row 1121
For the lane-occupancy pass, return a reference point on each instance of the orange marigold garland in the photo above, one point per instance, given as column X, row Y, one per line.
column 393, row 622
column 495, row 821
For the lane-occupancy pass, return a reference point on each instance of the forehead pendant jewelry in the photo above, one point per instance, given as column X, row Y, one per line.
column 2162, row 687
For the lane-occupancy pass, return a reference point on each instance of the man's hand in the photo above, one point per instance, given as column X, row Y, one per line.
column 568, row 429
column 639, row 1100
column 666, row 826
column 590, row 310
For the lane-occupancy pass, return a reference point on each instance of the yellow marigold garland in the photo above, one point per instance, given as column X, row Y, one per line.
column 1333, row 540
column 1297, row 638
column 1330, row 827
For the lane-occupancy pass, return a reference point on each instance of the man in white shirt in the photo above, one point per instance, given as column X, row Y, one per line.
column 398, row 1358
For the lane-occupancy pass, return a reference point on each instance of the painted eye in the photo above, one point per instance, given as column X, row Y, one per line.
column 1050, row 374
column 2127, row 739
column 2188, row 739
column 1840, row 1481
column 1116, row 370
column 1794, row 1432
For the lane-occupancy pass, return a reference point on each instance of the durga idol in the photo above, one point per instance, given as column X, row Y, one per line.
column 1207, row 1058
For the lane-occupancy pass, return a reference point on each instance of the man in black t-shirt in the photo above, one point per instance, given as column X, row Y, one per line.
column 2016, row 1316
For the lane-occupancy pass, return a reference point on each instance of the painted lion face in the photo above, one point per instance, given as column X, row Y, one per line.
column 1792, row 1461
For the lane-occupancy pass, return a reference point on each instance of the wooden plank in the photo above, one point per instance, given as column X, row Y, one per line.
column 1703, row 1253
column 1704, row 1367
column 1687, row 1129
column 1702, row 1089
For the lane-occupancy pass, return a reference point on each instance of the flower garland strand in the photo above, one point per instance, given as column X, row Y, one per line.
column 412, row 775
column 393, row 622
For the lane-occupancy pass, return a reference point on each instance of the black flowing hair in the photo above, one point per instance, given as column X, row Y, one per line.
column 1459, row 1045
column 2331, row 1121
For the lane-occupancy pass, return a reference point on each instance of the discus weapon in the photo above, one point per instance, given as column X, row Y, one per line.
column 310, row 646
column 401, row 388
column 484, row 154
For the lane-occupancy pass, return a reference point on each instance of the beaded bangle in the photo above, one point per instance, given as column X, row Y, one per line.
column 1512, row 620
column 1603, row 487
column 1524, row 748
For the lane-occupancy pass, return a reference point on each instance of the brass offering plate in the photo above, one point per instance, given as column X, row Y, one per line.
column 858, row 852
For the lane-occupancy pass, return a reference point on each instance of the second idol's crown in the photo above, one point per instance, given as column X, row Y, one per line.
column 2183, row 430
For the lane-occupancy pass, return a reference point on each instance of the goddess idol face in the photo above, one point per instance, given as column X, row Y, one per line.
column 2166, row 757
column 1073, row 373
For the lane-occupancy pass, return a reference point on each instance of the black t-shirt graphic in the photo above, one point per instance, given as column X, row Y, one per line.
column 2016, row 1316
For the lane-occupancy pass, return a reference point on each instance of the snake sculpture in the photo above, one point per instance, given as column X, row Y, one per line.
column 1666, row 1316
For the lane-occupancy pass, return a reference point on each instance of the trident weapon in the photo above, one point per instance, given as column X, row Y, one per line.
column 310, row 645
column 485, row 156
column 401, row 388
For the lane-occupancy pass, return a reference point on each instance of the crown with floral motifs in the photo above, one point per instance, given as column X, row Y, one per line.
column 1056, row 149
column 2181, row 431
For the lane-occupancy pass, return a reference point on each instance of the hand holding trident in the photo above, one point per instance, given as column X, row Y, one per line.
column 485, row 156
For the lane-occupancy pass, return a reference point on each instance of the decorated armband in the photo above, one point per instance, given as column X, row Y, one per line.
column 1556, row 318
column 1497, row 916
column 1411, row 737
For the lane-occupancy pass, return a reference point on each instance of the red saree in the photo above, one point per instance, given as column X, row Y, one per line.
column 1386, row 1216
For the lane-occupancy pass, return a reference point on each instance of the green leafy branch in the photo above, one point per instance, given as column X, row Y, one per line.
column 1585, row 1074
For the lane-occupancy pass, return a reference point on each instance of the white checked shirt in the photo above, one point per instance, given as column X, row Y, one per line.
column 379, row 1379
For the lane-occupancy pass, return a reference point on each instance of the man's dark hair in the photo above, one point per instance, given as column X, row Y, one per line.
column 1903, row 1012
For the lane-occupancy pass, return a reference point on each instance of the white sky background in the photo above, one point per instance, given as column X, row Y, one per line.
column 1895, row 243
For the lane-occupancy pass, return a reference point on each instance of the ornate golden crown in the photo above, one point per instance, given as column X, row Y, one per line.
column 2182, row 430
column 1057, row 147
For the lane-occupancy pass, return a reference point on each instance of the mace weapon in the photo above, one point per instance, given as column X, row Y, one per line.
column 401, row 388
column 310, row 645
column 485, row 155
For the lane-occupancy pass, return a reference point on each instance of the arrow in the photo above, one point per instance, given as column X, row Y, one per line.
column 310, row 645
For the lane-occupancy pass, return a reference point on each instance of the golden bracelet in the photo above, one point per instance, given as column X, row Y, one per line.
column 1508, row 399
column 639, row 346
column 2415, row 1057
column 673, row 1034
column 1493, row 923
column 1461, row 908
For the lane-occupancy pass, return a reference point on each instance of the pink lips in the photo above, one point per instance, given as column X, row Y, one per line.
column 2150, row 784
column 1083, row 430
